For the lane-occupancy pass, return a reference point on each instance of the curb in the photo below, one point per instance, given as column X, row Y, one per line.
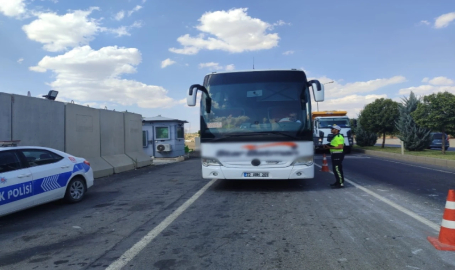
column 422, row 160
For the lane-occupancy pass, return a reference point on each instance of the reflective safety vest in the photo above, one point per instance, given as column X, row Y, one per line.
column 337, row 140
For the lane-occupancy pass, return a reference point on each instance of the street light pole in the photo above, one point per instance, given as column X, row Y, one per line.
column 317, row 103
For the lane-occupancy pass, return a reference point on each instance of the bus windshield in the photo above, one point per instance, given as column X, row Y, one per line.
column 268, row 105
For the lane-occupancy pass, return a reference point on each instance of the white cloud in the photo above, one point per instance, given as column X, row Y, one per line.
column 20, row 60
column 437, row 84
column 211, row 65
column 230, row 67
column 122, row 30
column 12, row 8
column 87, row 75
column 120, row 15
column 37, row 69
column 444, row 20
column 167, row 62
column 346, row 97
column 353, row 104
column 216, row 66
column 233, row 31
column 58, row 33
column 279, row 23
column 425, row 22
column 336, row 89
column 441, row 81
column 424, row 90
column 288, row 52
column 136, row 8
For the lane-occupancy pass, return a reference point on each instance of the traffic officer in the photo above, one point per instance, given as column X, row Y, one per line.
column 336, row 154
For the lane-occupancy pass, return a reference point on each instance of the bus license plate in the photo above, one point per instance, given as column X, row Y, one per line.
column 264, row 174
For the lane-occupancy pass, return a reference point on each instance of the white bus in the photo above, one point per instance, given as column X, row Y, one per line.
column 256, row 124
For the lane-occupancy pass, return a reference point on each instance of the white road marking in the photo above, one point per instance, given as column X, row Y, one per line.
column 348, row 157
column 423, row 220
column 139, row 246
column 417, row 166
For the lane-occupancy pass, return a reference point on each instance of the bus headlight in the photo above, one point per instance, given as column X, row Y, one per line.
column 210, row 162
column 308, row 161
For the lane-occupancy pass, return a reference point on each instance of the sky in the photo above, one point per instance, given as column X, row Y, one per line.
column 142, row 55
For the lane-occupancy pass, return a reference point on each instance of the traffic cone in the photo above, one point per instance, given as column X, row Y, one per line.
column 446, row 240
column 325, row 166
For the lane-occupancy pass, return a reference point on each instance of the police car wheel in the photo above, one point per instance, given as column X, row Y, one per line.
column 75, row 191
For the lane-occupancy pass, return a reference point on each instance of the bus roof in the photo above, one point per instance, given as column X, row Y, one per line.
column 254, row 70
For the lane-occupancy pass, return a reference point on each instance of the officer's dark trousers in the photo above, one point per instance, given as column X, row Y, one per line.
column 337, row 160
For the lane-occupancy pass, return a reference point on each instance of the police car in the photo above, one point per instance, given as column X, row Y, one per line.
column 30, row 176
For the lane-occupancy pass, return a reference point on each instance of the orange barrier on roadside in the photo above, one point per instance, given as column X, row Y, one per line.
column 446, row 240
column 325, row 166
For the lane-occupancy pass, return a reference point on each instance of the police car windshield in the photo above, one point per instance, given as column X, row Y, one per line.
column 329, row 122
column 267, row 102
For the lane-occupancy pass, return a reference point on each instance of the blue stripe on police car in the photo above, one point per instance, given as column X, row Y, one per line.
column 81, row 167
column 16, row 192
column 35, row 187
column 51, row 182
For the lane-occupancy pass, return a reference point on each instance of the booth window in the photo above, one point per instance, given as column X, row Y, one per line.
column 145, row 138
column 162, row 133
column 180, row 133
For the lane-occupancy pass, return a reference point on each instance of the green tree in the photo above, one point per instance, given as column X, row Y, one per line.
column 379, row 117
column 414, row 137
column 353, row 123
column 437, row 112
column 363, row 137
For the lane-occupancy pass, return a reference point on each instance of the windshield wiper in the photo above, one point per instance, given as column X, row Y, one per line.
column 267, row 133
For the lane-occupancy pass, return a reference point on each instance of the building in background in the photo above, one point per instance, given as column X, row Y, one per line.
column 163, row 137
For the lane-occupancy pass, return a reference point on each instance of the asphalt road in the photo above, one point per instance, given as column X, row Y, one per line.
column 239, row 224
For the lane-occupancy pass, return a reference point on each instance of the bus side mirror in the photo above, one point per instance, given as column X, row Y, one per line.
column 318, row 90
column 354, row 122
column 192, row 94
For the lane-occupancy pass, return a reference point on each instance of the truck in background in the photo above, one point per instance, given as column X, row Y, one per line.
column 322, row 123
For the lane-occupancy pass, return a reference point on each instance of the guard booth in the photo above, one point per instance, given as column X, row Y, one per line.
column 163, row 137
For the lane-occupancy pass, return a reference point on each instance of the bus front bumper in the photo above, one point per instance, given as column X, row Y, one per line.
column 240, row 173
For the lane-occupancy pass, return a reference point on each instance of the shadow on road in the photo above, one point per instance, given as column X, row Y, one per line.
column 268, row 185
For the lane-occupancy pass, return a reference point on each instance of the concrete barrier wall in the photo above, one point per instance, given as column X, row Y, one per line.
column 110, row 141
column 113, row 141
column 37, row 121
column 5, row 117
column 133, row 140
column 82, row 137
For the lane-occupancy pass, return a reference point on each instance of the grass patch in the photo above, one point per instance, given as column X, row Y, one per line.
column 449, row 155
